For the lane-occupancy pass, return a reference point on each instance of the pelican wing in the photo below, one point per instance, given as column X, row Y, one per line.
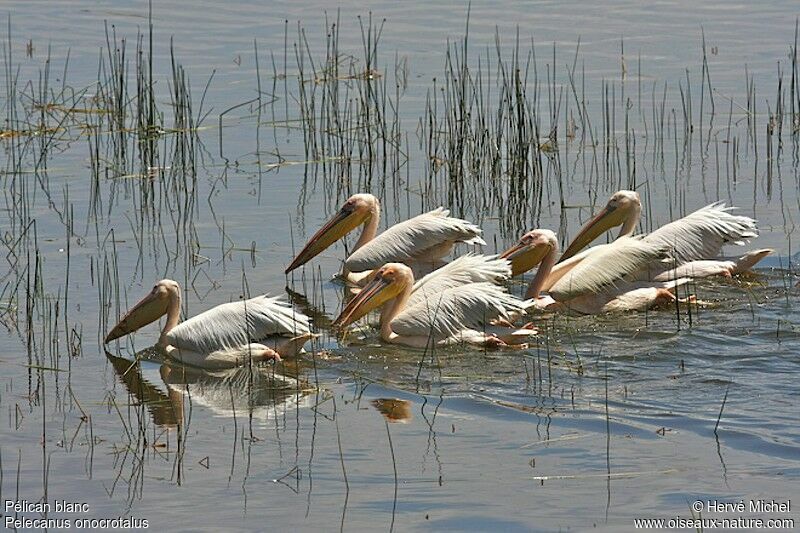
column 232, row 325
column 445, row 313
column 411, row 239
column 560, row 269
column 606, row 265
column 702, row 234
column 469, row 268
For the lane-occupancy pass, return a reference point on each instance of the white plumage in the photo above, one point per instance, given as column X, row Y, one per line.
column 228, row 335
column 263, row 319
column 420, row 242
column 699, row 236
column 426, row 237
column 447, row 313
column 703, row 233
column 462, row 295
column 596, row 280
column 458, row 302
column 601, row 267
column 623, row 297
column 469, row 268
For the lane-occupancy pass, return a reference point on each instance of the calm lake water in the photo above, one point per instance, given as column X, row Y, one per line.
column 602, row 420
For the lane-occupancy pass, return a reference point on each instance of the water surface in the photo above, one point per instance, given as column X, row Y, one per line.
column 602, row 420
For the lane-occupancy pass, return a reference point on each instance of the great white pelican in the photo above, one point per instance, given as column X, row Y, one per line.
column 460, row 302
column 422, row 240
column 593, row 282
column 695, row 241
column 228, row 335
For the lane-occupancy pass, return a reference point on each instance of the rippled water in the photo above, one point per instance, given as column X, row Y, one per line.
column 602, row 420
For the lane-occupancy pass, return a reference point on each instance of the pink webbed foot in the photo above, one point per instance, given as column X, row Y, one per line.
column 663, row 297
column 494, row 342
column 502, row 322
column 270, row 354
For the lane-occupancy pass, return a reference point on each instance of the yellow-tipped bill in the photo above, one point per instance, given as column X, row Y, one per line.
column 345, row 221
column 151, row 308
column 378, row 291
column 526, row 254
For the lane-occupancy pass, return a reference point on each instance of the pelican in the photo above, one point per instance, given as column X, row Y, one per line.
column 724, row 266
column 422, row 240
column 697, row 237
column 461, row 302
column 228, row 335
column 591, row 283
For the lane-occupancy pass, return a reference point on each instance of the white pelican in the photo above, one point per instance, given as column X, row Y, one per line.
column 595, row 282
column 724, row 266
column 458, row 303
column 226, row 336
column 697, row 237
column 422, row 240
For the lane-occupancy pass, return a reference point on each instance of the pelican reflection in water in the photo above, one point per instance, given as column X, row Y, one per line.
column 163, row 388
column 393, row 410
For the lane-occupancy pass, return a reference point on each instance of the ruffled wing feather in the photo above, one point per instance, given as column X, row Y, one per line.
column 702, row 234
column 232, row 325
column 445, row 313
column 409, row 240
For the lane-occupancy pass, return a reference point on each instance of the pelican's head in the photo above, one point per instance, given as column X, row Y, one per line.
column 530, row 250
column 148, row 310
column 383, row 284
column 623, row 208
column 355, row 211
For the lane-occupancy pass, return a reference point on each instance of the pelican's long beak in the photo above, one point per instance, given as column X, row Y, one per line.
column 524, row 256
column 606, row 219
column 377, row 292
column 342, row 223
column 151, row 308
